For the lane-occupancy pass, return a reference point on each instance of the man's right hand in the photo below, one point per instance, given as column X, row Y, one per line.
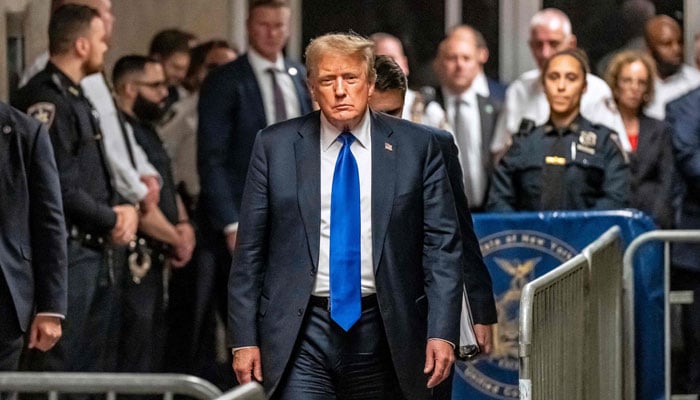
column 231, row 241
column 127, row 224
column 246, row 364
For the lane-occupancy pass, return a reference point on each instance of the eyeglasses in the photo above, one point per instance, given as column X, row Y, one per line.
column 153, row 85
column 629, row 82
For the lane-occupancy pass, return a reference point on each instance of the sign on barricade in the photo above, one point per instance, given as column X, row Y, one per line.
column 522, row 246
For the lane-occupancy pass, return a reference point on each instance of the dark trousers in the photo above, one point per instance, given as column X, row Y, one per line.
column 88, row 341
column 329, row 363
column 10, row 332
column 686, row 279
column 208, row 291
column 142, row 339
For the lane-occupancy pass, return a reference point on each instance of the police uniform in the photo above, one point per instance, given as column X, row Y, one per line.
column 143, row 330
column 578, row 167
column 86, row 189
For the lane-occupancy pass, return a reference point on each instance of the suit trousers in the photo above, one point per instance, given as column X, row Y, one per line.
column 88, row 340
column 329, row 363
column 10, row 333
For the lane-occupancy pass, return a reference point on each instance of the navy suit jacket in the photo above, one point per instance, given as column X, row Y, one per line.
column 415, row 242
column 231, row 113
column 32, row 228
column 683, row 116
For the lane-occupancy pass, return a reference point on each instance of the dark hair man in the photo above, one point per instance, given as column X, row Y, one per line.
column 168, row 236
column 77, row 46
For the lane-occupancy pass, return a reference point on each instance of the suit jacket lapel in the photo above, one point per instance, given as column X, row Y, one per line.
column 646, row 153
column 384, row 151
column 300, row 86
column 486, row 111
column 252, row 93
column 307, row 152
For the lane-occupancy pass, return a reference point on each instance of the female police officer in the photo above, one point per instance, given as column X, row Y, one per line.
column 567, row 163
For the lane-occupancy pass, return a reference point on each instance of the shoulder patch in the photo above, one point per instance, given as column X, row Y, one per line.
column 44, row 112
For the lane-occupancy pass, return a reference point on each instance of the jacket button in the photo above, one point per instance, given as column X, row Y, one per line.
column 300, row 312
column 6, row 129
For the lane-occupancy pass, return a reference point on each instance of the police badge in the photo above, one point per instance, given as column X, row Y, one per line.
column 587, row 138
column 44, row 112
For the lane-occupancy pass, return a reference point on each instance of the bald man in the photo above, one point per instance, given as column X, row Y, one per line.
column 550, row 32
column 464, row 106
column 664, row 41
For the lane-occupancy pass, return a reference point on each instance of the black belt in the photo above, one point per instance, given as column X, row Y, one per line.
column 88, row 239
column 325, row 302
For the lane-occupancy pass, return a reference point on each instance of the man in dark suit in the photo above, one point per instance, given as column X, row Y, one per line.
column 388, row 97
column 33, row 245
column 237, row 100
column 683, row 116
column 346, row 279
column 464, row 104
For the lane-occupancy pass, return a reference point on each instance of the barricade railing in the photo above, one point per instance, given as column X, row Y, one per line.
column 109, row 384
column 249, row 391
column 567, row 317
column 667, row 237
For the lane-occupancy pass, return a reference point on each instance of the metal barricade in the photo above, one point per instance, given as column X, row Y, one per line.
column 667, row 237
column 574, row 308
column 249, row 391
column 110, row 384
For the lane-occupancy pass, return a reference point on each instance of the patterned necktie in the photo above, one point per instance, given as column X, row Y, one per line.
column 346, row 296
column 278, row 98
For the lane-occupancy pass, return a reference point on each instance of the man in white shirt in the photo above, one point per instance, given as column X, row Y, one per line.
column 464, row 106
column 673, row 77
column 550, row 31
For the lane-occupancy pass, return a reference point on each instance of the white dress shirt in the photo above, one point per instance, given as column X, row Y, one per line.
column 525, row 98
column 179, row 137
column 671, row 88
column 361, row 149
column 261, row 66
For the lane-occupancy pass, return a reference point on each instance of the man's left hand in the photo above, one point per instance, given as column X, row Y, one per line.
column 484, row 337
column 45, row 332
column 439, row 357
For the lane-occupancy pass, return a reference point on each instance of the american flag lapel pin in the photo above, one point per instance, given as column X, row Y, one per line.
column 388, row 146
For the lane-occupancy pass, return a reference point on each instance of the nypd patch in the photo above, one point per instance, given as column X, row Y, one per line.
column 44, row 112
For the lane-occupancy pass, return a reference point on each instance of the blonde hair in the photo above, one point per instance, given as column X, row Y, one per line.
column 343, row 44
column 612, row 72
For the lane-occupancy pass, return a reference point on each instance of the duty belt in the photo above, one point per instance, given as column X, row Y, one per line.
column 87, row 239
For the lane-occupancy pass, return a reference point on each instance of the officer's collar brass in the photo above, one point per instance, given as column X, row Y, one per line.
column 550, row 129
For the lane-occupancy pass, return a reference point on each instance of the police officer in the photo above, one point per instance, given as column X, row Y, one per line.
column 567, row 163
column 94, row 223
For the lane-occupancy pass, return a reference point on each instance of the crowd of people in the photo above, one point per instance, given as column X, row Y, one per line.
column 185, row 192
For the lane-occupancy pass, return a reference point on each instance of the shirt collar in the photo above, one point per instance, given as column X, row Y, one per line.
column 330, row 133
column 261, row 64
column 479, row 87
column 61, row 79
column 573, row 127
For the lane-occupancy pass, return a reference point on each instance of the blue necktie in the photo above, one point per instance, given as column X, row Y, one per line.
column 346, row 296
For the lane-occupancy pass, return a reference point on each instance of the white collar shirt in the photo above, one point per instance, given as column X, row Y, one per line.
column 361, row 149
column 671, row 88
column 525, row 98
column 260, row 67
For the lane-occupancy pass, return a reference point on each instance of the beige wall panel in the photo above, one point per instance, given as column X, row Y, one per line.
column 138, row 20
